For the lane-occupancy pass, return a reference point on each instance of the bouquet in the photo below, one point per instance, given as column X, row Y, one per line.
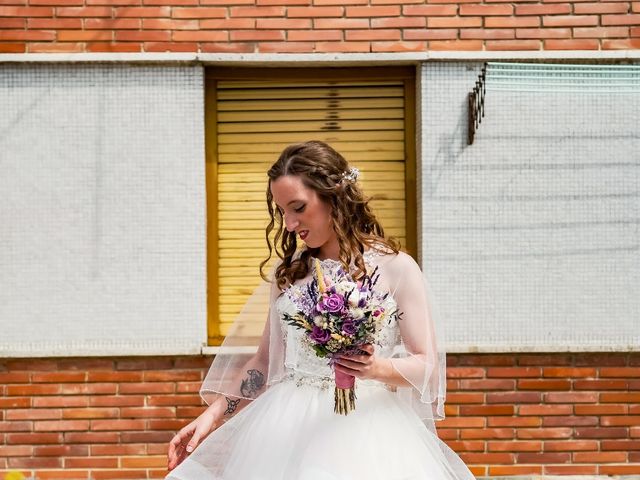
column 338, row 316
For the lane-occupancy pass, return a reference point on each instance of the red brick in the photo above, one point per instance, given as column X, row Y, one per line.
column 111, row 24
column 632, row 469
column 487, row 33
column 170, row 47
column 380, row 11
column 544, row 33
column 487, row 410
column 146, row 437
column 569, row 20
column 56, row 2
column 300, row 36
column 200, row 12
column 398, row 22
column 315, row 12
column 620, row 397
column 570, row 469
column 545, row 9
column 21, row 390
column 15, row 426
column 531, row 384
column 119, row 425
column 571, row 397
column 171, row 2
column 54, row 23
column 118, row 474
column 275, row 24
column 178, row 36
column 25, row 12
column 430, row 10
column 487, row 433
column 487, row 384
column 285, row 47
column 620, row 420
column 514, row 446
column 141, row 12
column 60, row 425
column 33, row 438
column 156, row 387
column 460, row 22
column 130, row 449
column 276, row 2
column 513, row 22
column 545, row 409
column 91, row 462
column 256, row 35
column 90, row 413
column 92, row 437
column 623, row 445
column 42, row 462
column 118, row 401
column 505, row 470
column 630, row 43
column 601, row 7
column 68, row 47
column 568, row 372
column 12, row 48
column 146, row 461
column 338, row 23
column 624, row 372
column 340, row 2
column 600, row 432
column 16, row 451
column 167, row 424
column 492, row 10
column 60, row 450
column 487, row 457
column 14, row 377
column 465, row 372
column 544, row 433
column 148, row 412
column 601, row 32
column 566, row 421
column 167, row 24
column 371, row 35
column 228, row 23
column 111, row 376
column 439, row 34
column 394, row 2
column 629, row 19
column 33, row 414
column 544, row 458
column 600, row 384
column 112, row 2
column 599, row 457
column 571, row 445
column 113, row 47
column 82, row 36
column 513, row 421
column 59, row 377
column 15, row 402
column 190, row 412
column 95, row 388
column 83, row 12
column 257, row 12
column 514, row 397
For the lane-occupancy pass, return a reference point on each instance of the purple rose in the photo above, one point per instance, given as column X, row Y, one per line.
column 349, row 327
column 320, row 335
column 331, row 303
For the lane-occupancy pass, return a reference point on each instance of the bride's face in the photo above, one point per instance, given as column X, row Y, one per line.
column 303, row 210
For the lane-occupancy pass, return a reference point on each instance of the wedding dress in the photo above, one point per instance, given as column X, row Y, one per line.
column 290, row 432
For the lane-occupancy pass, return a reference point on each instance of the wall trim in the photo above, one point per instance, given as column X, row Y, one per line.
column 337, row 59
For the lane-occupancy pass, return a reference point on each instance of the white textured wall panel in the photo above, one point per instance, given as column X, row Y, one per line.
column 530, row 235
column 102, row 236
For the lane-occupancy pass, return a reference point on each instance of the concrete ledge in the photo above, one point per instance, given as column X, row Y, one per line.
column 319, row 59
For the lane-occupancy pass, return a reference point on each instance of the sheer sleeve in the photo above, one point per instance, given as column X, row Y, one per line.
column 420, row 358
column 238, row 370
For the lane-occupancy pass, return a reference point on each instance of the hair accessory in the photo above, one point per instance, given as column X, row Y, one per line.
column 351, row 175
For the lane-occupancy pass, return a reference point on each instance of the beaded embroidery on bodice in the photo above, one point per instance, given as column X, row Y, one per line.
column 300, row 358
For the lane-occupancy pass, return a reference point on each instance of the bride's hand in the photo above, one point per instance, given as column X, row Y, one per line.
column 366, row 366
column 188, row 438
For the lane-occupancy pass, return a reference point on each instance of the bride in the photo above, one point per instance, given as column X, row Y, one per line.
column 270, row 415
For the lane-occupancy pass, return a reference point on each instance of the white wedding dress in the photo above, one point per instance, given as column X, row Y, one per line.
column 290, row 432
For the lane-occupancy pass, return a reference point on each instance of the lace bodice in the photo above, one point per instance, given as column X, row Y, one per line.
column 300, row 358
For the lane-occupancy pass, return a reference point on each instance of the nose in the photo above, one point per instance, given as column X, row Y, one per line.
column 290, row 223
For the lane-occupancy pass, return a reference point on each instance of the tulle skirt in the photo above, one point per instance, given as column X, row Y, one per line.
column 291, row 432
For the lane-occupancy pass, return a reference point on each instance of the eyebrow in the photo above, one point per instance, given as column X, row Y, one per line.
column 292, row 201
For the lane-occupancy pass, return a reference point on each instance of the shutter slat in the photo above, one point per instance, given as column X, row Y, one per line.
column 309, row 104
column 310, row 126
column 331, row 93
column 320, row 114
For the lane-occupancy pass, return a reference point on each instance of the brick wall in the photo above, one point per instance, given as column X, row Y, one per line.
column 315, row 25
column 506, row 414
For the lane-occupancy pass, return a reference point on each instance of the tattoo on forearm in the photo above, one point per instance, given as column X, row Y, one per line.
column 251, row 385
column 231, row 406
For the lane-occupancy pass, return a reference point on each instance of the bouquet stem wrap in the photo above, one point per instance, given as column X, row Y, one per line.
column 345, row 393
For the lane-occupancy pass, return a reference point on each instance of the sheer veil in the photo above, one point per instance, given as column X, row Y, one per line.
column 240, row 371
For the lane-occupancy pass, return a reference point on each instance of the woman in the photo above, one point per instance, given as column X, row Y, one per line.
column 271, row 416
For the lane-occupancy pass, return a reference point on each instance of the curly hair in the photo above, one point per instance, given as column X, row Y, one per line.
column 321, row 169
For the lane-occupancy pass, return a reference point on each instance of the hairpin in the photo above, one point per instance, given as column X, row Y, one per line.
column 351, row 175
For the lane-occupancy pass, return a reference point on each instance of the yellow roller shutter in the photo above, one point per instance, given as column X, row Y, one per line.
column 253, row 120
